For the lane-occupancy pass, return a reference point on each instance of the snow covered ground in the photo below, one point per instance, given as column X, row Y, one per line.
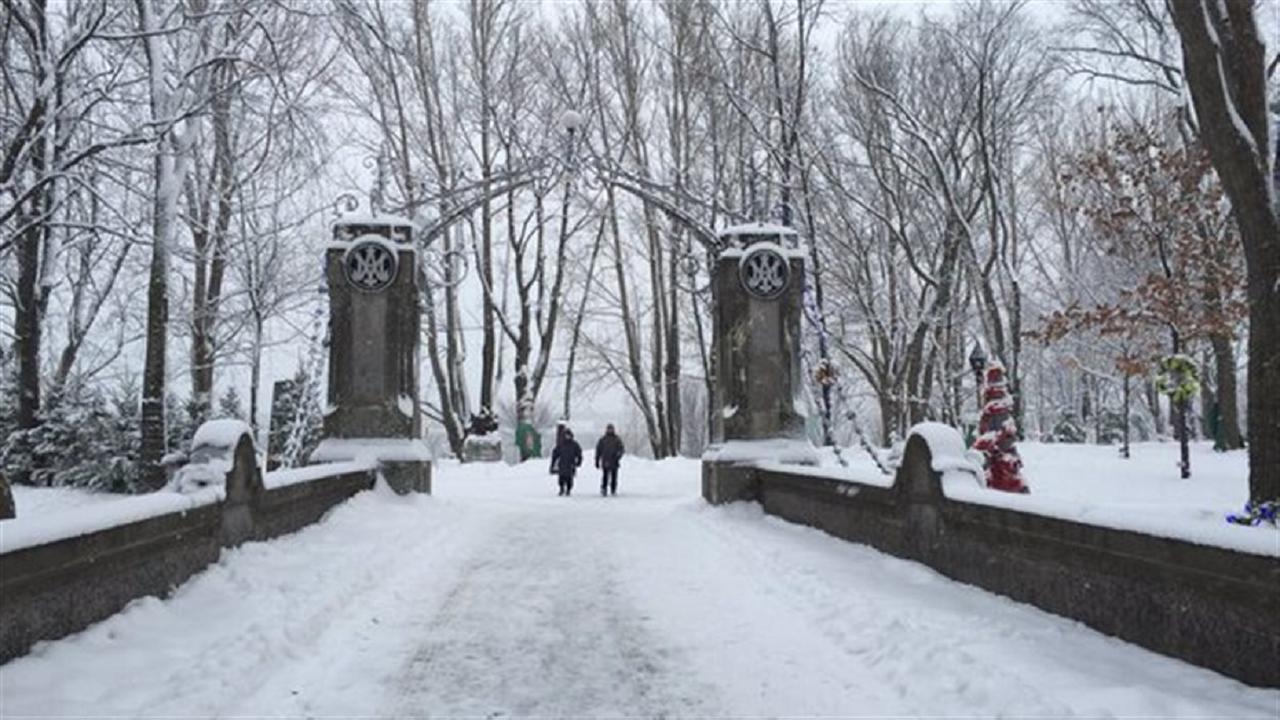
column 496, row 597
column 1093, row 484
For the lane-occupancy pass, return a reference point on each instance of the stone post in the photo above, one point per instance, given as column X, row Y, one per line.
column 760, row 398
column 374, row 330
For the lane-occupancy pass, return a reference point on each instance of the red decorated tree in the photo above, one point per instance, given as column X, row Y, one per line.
column 998, row 434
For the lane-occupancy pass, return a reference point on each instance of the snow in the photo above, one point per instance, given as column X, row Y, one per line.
column 1092, row 484
column 176, row 457
column 741, row 252
column 495, row 597
column 295, row 476
column 830, row 472
column 375, row 449
column 405, row 403
column 756, row 228
column 490, row 441
column 728, row 411
column 221, row 433
column 33, row 528
column 195, row 477
column 372, row 220
column 782, row 450
column 949, row 456
column 391, row 247
column 40, row 501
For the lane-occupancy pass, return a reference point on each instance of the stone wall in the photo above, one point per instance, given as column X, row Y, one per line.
column 61, row 587
column 1210, row 606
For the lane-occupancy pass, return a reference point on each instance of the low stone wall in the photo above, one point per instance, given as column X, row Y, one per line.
column 59, row 587
column 1213, row 607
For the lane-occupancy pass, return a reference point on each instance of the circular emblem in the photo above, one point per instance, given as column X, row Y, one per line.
column 764, row 272
column 370, row 265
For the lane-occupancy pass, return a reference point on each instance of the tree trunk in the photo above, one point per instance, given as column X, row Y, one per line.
column 1224, row 361
column 1153, row 407
column 577, row 321
column 1224, row 59
column 255, row 376
column 27, row 324
column 153, row 372
column 634, row 365
column 8, row 509
column 1124, row 448
column 28, row 302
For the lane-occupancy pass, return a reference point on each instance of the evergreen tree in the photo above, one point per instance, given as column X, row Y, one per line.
column 288, row 396
column 229, row 405
column 86, row 439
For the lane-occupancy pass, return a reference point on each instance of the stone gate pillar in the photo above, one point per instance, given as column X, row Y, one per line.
column 760, row 398
column 374, row 338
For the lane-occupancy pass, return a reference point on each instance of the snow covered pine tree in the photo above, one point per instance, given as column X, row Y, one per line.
column 997, row 434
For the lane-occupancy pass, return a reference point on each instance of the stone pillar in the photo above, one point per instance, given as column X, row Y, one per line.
column 374, row 340
column 760, row 398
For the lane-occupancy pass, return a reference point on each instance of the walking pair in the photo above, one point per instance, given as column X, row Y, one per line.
column 567, row 458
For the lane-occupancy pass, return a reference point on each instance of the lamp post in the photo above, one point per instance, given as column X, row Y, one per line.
column 978, row 363
column 571, row 121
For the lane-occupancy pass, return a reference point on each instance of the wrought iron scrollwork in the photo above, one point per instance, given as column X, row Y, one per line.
column 444, row 268
column 764, row 272
column 344, row 204
column 370, row 265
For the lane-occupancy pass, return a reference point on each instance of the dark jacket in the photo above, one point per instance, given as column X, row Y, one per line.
column 609, row 451
column 566, row 458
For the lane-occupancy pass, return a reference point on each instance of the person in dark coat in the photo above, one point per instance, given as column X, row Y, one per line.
column 608, row 457
column 565, row 460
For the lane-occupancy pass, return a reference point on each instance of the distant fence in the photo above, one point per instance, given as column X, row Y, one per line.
column 54, row 586
column 1210, row 606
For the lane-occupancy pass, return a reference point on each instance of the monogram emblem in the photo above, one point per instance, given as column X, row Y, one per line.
column 370, row 265
column 764, row 273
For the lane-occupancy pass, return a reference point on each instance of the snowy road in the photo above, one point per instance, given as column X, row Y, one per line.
column 497, row 598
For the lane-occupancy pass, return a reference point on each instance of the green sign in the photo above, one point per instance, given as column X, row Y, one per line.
column 529, row 441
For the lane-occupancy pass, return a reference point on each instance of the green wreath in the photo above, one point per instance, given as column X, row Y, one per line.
column 1179, row 378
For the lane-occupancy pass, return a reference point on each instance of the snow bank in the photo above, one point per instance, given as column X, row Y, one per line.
column 43, row 501
column 1092, row 484
column 38, row 529
column 371, row 449
column 1218, row 533
column 781, row 450
column 295, row 476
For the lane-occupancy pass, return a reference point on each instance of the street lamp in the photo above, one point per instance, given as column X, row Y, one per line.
column 978, row 363
column 570, row 122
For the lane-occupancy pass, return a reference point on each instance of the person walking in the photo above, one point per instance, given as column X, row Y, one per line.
column 565, row 460
column 608, row 457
